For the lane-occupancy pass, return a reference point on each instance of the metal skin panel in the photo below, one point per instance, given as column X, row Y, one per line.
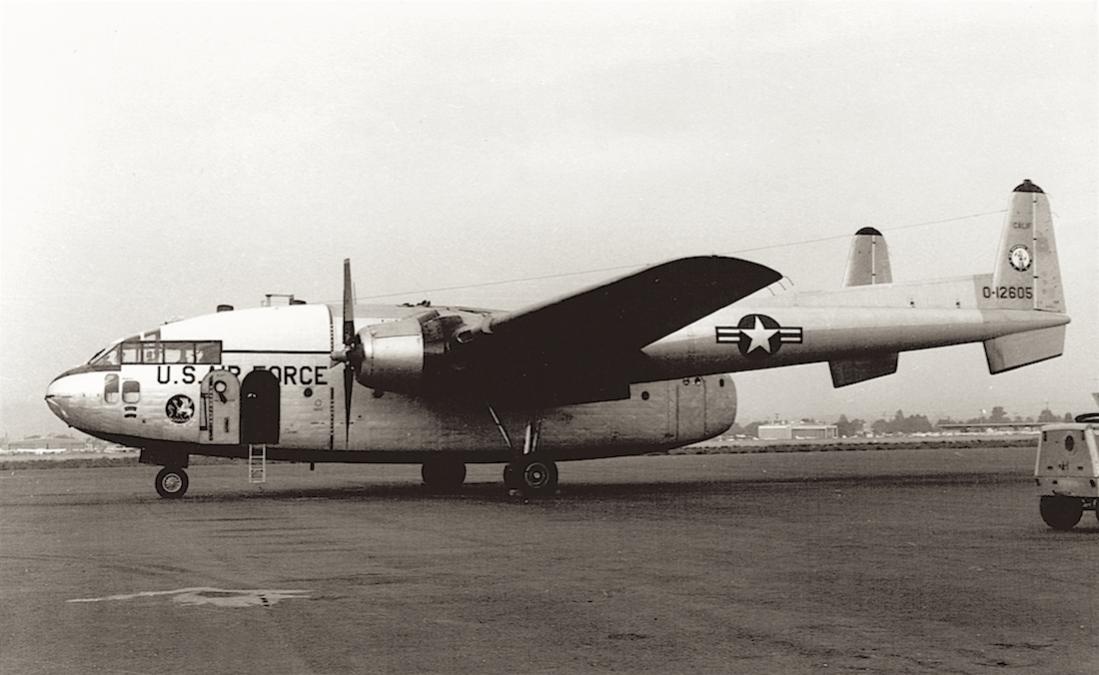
column 409, row 426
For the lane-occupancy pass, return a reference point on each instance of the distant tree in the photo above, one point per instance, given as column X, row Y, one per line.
column 917, row 424
column 848, row 428
column 1046, row 416
column 998, row 415
column 1068, row 417
column 879, row 427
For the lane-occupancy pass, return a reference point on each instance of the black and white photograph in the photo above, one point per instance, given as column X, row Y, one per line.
column 748, row 337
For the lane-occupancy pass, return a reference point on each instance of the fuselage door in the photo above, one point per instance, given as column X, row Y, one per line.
column 259, row 408
column 220, row 423
column 691, row 409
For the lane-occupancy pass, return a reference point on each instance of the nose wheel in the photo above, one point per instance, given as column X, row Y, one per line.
column 171, row 482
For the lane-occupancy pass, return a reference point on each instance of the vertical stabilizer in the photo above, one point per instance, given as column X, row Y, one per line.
column 1027, row 273
column 868, row 261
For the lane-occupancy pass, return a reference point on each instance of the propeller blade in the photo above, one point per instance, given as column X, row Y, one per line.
column 348, row 386
column 349, row 365
column 348, row 306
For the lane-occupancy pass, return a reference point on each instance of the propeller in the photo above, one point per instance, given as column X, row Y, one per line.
column 352, row 354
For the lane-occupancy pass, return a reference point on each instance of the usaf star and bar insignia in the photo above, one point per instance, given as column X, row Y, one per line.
column 758, row 335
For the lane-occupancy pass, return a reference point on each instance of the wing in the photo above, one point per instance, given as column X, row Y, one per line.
column 637, row 309
column 582, row 347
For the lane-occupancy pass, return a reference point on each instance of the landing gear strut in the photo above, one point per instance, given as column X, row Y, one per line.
column 171, row 482
column 443, row 475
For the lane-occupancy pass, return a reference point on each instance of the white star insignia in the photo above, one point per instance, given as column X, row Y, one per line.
column 760, row 337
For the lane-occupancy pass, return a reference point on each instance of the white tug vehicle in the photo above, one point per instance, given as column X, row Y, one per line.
column 1066, row 471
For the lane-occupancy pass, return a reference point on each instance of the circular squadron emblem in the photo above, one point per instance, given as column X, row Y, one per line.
column 180, row 409
column 1019, row 257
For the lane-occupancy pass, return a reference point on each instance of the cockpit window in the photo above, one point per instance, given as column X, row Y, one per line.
column 179, row 352
column 131, row 352
column 151, row 352
column 208, row 352
column 108, row 357
column 159, row 352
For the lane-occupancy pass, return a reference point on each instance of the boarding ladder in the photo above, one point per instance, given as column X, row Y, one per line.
column 257, row 462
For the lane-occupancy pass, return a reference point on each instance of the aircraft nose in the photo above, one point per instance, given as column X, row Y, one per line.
column 58, row 394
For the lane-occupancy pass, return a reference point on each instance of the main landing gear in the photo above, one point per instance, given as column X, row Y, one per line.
column 531, row 475
column 171, row 482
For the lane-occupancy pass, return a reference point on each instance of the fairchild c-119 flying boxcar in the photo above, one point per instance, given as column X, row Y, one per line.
column 633, row 365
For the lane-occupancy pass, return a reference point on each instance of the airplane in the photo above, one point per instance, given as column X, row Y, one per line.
column 638, row 364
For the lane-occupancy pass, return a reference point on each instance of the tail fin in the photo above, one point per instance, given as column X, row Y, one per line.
column 867, row 264
column 1027, row 273
column 868, row 261
column 1027, row 276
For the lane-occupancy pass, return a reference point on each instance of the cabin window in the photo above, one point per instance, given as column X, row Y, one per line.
column 131, row 391
column 110, row 388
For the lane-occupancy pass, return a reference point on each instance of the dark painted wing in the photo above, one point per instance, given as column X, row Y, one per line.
column 635, row 310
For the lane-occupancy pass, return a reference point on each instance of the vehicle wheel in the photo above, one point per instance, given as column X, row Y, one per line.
column 443, row 475
column 171, row 483
column 535, row 477
column 1061, row 513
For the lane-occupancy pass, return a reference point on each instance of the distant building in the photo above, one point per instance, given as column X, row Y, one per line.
column 789, row 432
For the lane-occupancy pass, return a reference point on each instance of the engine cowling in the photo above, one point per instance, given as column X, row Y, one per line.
column 408, row 355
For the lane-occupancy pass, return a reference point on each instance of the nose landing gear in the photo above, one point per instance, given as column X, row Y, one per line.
column 171, row 482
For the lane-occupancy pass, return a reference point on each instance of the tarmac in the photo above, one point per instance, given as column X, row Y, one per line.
column 897, row 561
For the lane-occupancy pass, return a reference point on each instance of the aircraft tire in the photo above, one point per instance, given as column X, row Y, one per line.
column 443, row 475
column 1061, row 513
column 171, row 482
column 535, row 476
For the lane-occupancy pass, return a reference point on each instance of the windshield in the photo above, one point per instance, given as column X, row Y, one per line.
column 106, row 357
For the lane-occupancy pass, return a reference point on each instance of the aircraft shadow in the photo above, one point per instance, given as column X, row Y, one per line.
column 493, row 492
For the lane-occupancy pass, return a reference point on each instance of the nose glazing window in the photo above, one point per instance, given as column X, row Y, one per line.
column 110, row 388
column 131, row 391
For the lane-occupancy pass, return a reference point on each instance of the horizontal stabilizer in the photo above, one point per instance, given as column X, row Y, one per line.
column 850, row 371
column 1021, row 349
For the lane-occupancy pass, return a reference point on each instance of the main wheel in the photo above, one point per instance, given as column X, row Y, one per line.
column 443, row 475
column 534, row 476
column 1061, row 513
column 171, row 483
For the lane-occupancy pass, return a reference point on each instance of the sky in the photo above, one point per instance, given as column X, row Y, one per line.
column 159, row 159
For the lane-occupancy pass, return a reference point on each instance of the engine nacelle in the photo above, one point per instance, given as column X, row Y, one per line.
column 406, row 355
